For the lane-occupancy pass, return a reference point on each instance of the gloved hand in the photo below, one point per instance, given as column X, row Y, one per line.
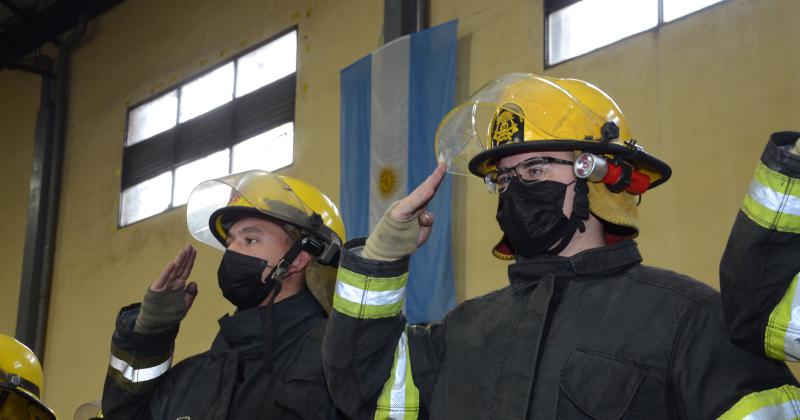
column 169, row 297
column 406, row 225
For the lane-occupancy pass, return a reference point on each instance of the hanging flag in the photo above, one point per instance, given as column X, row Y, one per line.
column 391, row 103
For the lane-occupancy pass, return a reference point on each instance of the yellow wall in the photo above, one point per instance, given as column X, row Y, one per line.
column 19, row 102
column 703, row 93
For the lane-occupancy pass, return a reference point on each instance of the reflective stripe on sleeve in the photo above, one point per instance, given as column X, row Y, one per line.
column 367, row 297
column 773, row 200
column 775, row 404
column 142, row 374
column 399, row 399
column 782, row 335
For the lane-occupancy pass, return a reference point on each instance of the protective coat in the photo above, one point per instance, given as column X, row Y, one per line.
column 234, row 379
column 593, row 336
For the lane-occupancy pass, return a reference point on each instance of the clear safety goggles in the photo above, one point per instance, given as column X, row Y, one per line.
column 528, row 172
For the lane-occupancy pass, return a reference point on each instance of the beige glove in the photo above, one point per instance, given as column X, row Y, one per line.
column 392, row 239
column 796, row 149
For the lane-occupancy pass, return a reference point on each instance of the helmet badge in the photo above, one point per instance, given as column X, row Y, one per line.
column 507, row 126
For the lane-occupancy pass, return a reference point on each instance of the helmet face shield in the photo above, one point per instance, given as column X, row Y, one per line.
column 514, row 108
column 15, row 405
column 264, row 192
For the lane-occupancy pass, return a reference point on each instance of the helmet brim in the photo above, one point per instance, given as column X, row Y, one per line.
column 637, row 157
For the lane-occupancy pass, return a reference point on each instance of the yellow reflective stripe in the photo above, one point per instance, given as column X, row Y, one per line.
column 399, row 399
column 374, row 284
column 368, row 297
column 773, row 200
column 775, row 404
column 783, row 327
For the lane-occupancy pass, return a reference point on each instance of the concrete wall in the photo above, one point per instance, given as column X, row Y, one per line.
column 19, row 102
column 703, row 93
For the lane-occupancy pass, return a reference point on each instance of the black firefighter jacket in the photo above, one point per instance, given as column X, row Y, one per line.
column 593, row 336
column 233, row 380
column 760, row 268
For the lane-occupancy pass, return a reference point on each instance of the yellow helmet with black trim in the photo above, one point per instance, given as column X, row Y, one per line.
column 21, row 382
column 522, row 112
column 216, row 204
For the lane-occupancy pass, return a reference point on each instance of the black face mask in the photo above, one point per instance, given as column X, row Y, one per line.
column 532, row 216
column 239, row 277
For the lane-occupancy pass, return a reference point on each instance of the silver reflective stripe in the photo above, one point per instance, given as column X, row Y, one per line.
column 368, row 297
column 785, row 411
column 139, row 375
column 791, row 346
column 773, row 200
column 399, row 386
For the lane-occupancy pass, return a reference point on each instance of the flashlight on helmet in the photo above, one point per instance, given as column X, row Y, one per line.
column 617, row 175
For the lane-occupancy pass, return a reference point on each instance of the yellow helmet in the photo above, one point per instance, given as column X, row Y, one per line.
column 522, row 112
column 216, row 204
column 21, row 382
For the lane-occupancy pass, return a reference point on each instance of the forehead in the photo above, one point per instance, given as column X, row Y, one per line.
column 513, row 160
column 257, row 224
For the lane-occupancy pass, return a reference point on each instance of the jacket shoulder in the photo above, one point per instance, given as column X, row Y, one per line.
column 678, row 285
column 478, row 305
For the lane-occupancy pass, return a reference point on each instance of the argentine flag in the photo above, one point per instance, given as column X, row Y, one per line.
column 391, row 103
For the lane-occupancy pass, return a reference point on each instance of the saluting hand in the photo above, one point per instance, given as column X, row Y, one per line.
column 418, row 200
column 175, row 275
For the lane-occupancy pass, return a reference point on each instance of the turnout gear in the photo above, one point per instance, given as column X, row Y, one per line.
column 21, row 382
column 594, row 336
column 760, row 268
column 266, row 360
column 234, row 379
column 522, row 112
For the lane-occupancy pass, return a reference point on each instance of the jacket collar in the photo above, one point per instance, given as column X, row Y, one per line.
column 246, row 329
column 594, row 262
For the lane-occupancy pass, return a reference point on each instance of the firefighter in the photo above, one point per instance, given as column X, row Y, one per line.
column 280, row 238
column 760, row 266
column 584, row 330
column 21, row 383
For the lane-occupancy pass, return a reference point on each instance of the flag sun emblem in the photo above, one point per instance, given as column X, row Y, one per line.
column 388, row 182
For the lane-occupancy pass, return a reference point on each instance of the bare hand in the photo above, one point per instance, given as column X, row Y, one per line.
column 175, row 275
column 418, row 200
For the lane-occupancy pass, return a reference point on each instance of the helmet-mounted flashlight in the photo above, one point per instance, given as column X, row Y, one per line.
column 616, row 174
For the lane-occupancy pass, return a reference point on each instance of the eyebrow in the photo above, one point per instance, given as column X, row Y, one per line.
column 247, row 229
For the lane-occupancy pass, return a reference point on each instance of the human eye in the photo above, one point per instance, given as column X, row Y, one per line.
column 250, row 240
column 532, row 171
column 501, row 178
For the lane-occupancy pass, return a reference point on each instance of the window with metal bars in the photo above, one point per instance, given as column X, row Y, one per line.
column 576, row 27
column 234, row 117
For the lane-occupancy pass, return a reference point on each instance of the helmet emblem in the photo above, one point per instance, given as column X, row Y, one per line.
column 507, row 128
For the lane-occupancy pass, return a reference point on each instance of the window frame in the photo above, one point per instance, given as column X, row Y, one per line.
column 172, row 132
column 551, row 6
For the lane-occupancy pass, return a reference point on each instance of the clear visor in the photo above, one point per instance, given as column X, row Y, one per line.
column 261, row 190
column 515, row 107
column 15, row 405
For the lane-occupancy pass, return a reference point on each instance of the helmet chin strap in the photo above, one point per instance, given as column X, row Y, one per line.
column 580, row 212
column 278, row 274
